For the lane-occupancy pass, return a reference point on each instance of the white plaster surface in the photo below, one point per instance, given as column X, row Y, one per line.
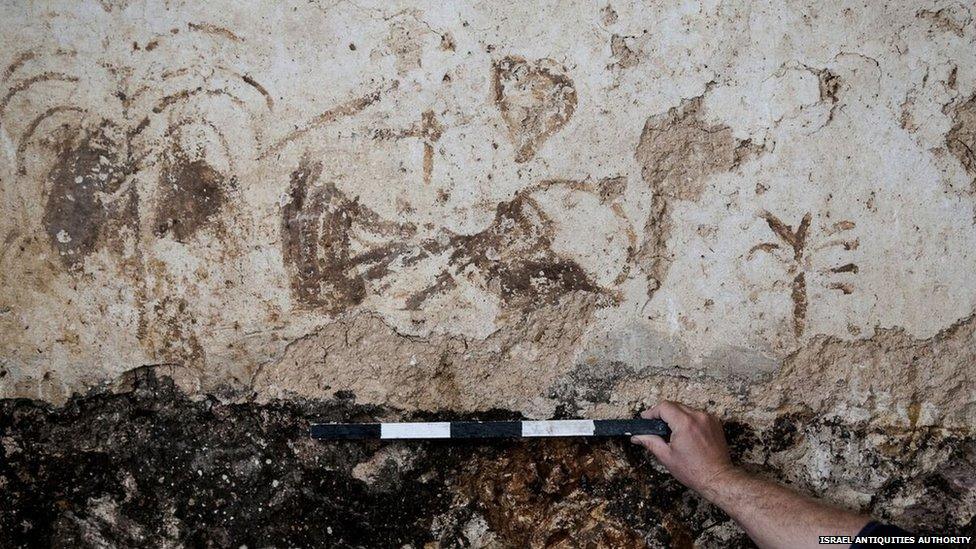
column 421, row 124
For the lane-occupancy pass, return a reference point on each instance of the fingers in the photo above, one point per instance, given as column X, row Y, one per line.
column 654, row 443
column 678, row 416
column 672, row 413
column 652, row 413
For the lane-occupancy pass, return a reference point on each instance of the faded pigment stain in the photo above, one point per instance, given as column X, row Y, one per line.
column 87, row 204
column 191, row 193
column 495, row 211
column 536, row 99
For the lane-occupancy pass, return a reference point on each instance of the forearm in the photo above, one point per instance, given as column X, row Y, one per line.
column 774, row 516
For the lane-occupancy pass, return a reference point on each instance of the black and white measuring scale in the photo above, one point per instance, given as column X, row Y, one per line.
column 490, row 429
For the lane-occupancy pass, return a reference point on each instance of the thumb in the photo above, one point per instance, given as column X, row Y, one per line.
column 654, row 443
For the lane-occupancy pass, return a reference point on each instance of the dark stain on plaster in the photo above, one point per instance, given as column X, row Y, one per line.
column 961, row 138
column 191, row 195
column 87, row 205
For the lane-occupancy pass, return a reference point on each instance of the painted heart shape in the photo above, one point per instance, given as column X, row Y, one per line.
column 536, row 99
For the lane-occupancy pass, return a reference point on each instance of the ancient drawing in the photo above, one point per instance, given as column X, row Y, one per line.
column 794, row 250
column 428, row 130
column 93, row 189
column 217, row 223
column 335, row 248
column 536, row 99
column 122, row 168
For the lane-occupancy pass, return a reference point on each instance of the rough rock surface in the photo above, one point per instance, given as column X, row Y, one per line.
column 527, row 209
column 149, row 466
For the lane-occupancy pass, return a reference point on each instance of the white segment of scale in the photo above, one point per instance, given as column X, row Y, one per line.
column 440, row 429
column 558, row 428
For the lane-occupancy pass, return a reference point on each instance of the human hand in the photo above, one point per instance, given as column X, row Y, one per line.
column 697, row 454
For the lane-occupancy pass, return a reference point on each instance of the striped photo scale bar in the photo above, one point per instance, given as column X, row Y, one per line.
column 491, row 429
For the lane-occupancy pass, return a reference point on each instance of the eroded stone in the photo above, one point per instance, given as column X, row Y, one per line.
column 149, row 466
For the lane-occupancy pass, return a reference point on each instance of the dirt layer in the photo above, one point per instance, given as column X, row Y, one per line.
column 147, row 466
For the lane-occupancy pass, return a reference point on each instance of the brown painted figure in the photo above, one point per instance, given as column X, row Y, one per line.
column 335, row 248
column 795, row 242
column 88, row 204
column 536, row 99
column 119, row 172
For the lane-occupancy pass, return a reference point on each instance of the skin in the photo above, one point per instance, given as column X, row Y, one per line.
column 773, row 516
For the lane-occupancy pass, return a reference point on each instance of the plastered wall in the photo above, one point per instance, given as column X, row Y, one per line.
column 552, row 209
column 517, row 191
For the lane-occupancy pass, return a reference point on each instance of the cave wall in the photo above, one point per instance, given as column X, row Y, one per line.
column 544, row 210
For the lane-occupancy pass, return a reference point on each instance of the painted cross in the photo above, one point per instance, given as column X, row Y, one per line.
column 428, row 130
